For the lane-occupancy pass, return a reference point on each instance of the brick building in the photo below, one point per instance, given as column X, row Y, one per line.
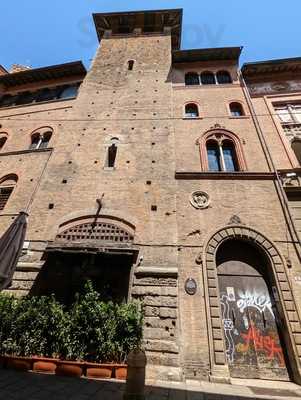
column 170, row 176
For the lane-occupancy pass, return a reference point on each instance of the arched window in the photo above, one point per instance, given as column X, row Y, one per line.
column 221, row 151
column 191, row 110
column 221, row 156
column 207, row 78
column 112, row 153
column 25, row 98
column 131, row 65
column 69, row 92
column 3, row 139
column 296, row 146
column 45, row 140
column 7, row 185
column 223, row 77
column 214, row 156
column 47, row 94
column 40, row 139
column 191, row 79
column 236, row 110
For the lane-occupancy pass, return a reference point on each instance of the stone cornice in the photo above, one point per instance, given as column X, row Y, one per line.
column 225, row 175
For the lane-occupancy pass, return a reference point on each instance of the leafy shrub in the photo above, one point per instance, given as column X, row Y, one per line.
column 90, row 330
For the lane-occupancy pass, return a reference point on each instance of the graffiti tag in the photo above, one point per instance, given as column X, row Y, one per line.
column 260, row 301
column 228, row 329
column 266, row 344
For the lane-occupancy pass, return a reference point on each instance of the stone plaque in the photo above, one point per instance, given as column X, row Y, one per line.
column 191, row 286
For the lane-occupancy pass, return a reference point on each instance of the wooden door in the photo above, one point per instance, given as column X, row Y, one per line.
column 253, row 345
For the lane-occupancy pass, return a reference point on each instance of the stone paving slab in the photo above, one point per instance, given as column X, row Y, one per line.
column 22, row 386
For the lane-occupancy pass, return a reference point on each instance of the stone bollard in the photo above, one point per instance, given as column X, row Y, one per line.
column 135, row 382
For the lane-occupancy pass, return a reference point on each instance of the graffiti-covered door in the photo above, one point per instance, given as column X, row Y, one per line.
column 249, row 315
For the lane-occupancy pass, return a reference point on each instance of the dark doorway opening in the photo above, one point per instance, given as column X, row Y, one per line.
column 65, row 274
column 250, row 306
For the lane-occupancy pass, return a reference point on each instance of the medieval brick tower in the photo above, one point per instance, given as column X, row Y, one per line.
column 153, row 175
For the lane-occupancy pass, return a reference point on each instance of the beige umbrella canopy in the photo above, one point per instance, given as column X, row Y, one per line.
column 11, row 244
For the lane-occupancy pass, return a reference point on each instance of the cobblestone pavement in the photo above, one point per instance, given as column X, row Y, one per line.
column 19, row 385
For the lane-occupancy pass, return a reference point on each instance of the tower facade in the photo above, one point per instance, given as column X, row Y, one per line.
column 152, row 175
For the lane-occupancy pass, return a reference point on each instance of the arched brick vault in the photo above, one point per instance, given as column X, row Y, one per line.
column 286, row 307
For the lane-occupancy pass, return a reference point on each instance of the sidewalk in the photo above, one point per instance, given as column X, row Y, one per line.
column 23, row 386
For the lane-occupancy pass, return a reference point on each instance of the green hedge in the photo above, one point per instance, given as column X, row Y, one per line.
column 90, row 330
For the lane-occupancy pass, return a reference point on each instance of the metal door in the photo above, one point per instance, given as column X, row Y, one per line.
column 253, row 346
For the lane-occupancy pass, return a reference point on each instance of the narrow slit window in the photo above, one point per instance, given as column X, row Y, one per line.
column 112, row 154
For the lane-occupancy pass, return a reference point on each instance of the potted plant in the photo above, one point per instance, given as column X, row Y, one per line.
column 91, row 338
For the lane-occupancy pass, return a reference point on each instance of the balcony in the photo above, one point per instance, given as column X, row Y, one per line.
column 292, row 128
column 291, row 179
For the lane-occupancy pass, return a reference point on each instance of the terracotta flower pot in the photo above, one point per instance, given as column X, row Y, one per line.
column 99, row 371
column 121, row 372
column 69, row 368
column 44, row 365
column 19, row 363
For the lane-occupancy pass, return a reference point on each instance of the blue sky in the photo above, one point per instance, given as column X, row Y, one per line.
column 40, row 32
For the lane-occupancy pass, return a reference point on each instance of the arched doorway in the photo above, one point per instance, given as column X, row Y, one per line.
column 252, row 326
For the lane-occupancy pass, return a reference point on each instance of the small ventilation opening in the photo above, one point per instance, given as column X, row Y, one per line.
column 131, row 65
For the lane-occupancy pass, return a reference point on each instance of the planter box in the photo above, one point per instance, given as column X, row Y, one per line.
column 18, row 363
column 99, row 371
column 121, row 371
column 44, row 365
column 69, row 368
column 65, row 368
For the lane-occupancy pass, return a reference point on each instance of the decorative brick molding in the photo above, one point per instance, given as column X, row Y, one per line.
column 219, row 134
column 286, row 306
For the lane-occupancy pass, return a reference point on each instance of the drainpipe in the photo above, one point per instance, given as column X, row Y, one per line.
column 278, row 184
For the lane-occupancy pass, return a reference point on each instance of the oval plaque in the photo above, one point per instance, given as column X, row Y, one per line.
column 191, row 286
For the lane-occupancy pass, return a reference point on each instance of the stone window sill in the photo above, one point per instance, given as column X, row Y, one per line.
column 192, row 118
column 241, row 117
column 109, row 168
column 12, row 153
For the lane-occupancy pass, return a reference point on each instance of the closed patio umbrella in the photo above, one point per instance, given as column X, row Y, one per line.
column 11, row 244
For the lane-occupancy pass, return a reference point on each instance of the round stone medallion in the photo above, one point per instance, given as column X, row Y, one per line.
column 200, row 200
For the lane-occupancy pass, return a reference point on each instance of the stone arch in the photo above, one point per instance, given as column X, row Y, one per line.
column 90, row 228
column 287, row 306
